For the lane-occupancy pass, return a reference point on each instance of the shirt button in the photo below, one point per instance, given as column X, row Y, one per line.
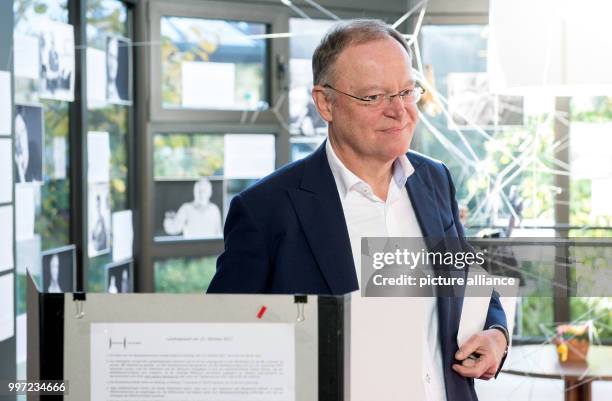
column 428, row 378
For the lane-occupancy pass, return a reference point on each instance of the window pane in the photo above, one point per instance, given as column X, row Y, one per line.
column 304, row 118
column 109, row 103
column 185, row 275
column 213, row 64
column 197, row 175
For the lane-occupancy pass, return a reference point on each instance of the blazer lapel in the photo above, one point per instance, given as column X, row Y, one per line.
column 421, row 195
column 319, row 210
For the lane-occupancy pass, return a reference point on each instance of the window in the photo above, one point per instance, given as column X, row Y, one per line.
column 109, row 100
column 197, row 174
column 213, row 64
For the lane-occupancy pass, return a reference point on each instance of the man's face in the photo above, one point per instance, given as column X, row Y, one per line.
column 376, row 133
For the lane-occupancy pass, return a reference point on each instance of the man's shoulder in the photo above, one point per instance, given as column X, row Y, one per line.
column 286, row 177
column 420, row 160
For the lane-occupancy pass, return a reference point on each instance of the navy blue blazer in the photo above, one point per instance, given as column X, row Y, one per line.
column 287, row 234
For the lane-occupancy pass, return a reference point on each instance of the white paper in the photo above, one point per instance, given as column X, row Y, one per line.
column 96, row 78
column 6, row 116
column 59, row 158
column 248, row 156
column 27, row 56
column 208, row 85
column 475, row 309
column 123, row 235
column 131, row 361
column 7, row 306
column 24, row 211
column 6, row 238
column 28, row 257
column 57, row 61
column 387, row 348
column 98, row 166
column 6, row 170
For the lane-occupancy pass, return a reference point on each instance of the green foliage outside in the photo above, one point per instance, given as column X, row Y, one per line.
column 184, row 275
column 188, row 155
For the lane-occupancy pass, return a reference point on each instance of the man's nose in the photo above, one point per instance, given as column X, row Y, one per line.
column 394, row 107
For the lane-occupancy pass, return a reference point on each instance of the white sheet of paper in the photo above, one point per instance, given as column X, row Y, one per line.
column 7, row 305
column 6, row 115
column 27, row 56
column 6, row 170
column 386, row 348
column 96, row 82
column 59, row 158
column 24, row 211
column 123, row 235
column 474, row 311
column 248, row 155
column 98, row 166
column 131, row 360
column 6, row 238
column 208, row 85
column 28, row 256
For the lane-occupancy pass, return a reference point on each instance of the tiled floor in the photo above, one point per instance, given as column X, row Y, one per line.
column 516, row 388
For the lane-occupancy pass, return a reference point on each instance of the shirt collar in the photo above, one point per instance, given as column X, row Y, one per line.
column 346, row 179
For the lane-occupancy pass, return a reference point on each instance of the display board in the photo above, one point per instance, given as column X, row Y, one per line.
column 287, row 347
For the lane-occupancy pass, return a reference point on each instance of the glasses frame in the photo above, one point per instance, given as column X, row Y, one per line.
column 389, row 98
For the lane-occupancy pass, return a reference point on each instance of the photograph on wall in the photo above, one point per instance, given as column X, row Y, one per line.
column 6, row 170
column 118, row 59
column 57, row 61
column 6, row 238
column 58, row 269
column 189, row 208
column 118, row 277
column 470, row 103
column 29, row 141
column 5, row 103
column 99, row 219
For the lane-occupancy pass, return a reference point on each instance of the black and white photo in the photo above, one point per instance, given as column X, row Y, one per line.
column 57, row 61
column 118, row 70
column 29, row 130
column 58, row 267
column 190, row 208
column 99, row 219
column 118, row 277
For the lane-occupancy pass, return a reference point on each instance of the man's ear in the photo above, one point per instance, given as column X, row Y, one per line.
column 322, row 102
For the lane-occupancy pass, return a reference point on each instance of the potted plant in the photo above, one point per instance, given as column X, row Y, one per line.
column 573, row 342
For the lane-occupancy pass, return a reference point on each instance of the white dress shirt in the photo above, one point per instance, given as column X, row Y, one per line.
column 367, row 215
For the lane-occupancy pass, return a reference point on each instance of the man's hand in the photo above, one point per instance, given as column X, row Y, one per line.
column 490, row 345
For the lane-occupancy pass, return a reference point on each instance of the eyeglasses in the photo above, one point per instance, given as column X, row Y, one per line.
column 408, row 96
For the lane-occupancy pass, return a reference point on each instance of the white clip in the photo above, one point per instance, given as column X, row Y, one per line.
column 80, row 313
column 300, row 315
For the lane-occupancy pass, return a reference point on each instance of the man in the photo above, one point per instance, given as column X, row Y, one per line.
column 200, row 218
column 299, row 229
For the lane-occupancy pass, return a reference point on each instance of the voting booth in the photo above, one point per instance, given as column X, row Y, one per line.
column 129, row 347
column 188, row 347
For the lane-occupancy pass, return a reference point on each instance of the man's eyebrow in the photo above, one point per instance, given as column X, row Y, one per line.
column 409, row 84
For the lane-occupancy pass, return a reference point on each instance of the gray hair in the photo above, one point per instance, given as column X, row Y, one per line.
column 339, row 37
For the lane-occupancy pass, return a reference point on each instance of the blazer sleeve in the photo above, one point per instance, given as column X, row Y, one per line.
column 244, row 265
